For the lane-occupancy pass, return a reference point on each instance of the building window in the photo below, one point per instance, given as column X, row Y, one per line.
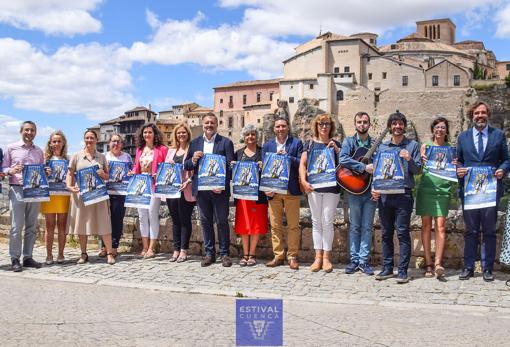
column 384, row 75
column 244, row 99
column 336, row 70
column 456, row 80
column 258, row 97
column 311, row 85
column 346, row 69
column 435, row 81
column 369, row 75
column 242, row 121
column 372, row 41
column 230, row 101
column 230, row 122
column 221, row 122
column 271, row 96
column 507, row 67
column 291, row 100
column 291, row 87
column 405, row 81
column 376, row 98
column 258, row 120
column 339, row 95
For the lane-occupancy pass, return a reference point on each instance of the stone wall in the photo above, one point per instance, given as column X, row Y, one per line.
column 131, row 240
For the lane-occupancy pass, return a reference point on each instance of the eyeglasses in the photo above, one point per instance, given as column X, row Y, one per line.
column 324, row 124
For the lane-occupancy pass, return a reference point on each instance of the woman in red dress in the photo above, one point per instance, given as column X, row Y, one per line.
column 251, row 216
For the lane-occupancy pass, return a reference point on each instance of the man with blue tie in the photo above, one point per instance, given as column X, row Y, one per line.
column 481, row 145
column 212, row 205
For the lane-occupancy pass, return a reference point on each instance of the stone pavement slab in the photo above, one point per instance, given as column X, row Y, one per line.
column 259, row 281
column 38, row 312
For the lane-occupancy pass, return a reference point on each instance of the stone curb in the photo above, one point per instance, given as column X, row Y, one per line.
column 256, row 294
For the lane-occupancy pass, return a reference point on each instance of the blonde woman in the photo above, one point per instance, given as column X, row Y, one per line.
column 323, row 201
column 55, row 211
column 182, row 208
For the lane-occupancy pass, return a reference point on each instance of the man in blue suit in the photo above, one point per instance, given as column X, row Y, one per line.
column 284, row 143
column 481, row 145
column 212, row 205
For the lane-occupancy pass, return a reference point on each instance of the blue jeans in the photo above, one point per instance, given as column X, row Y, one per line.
column 361, row 219
column 395, row 213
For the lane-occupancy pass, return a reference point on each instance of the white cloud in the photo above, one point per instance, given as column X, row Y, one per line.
column 88, row 79
column 304, row 17
column 503, row 22
column 54, row 17
column 223, row 48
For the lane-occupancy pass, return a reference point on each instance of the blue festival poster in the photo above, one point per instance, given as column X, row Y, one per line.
column 275, row 173
column 168, row 181
column 118, row 178
column 245, row 180
column 92, row 187
column 212, row 172
column 57, row 178
column 139, row 191
column 480, row 188
column 389, row 173
column 35, row 184
column 321, row 168
column 439, row 162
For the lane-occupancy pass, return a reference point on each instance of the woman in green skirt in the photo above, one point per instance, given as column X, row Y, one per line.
column 432, row 200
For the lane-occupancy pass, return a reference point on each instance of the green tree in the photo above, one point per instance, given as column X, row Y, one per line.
column 507, row 80
column 477, row 72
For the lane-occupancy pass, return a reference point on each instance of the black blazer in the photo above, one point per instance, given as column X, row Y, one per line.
column 222, row 146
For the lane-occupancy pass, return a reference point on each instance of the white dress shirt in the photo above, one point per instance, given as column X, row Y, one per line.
column 281, row 146
column 209, row 144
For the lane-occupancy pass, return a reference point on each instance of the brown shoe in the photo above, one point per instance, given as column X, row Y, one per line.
column 293, row 264
column 326, row 262
column 275, row 262
column 317, row 264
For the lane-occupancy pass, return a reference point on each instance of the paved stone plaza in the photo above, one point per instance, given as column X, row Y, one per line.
column 137, row 302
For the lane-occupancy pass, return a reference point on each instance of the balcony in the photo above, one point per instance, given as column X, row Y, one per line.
column 344, row 78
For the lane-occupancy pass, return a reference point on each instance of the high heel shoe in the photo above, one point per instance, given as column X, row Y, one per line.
column 83, row 259
column 111, row 258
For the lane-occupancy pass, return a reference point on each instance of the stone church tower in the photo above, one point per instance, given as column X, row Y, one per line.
column 439, row 30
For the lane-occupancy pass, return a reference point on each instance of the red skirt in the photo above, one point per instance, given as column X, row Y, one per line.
column 251, row 218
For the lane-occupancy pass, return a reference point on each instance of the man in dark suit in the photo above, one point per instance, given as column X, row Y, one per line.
column 212, row 205
column 284, row 143
column 481, row 145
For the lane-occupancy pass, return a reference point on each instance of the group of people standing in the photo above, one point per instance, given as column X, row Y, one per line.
column 480, row 145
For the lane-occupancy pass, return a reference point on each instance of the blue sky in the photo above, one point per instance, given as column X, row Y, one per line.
column 68, row 64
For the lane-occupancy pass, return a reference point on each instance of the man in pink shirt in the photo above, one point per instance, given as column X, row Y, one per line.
column 23, row 214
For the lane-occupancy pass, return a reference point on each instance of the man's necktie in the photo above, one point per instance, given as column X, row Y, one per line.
column 480, row 145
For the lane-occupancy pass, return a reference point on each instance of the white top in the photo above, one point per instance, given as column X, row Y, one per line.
column 122, row 157
column 281, row 146
column 209, row 144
